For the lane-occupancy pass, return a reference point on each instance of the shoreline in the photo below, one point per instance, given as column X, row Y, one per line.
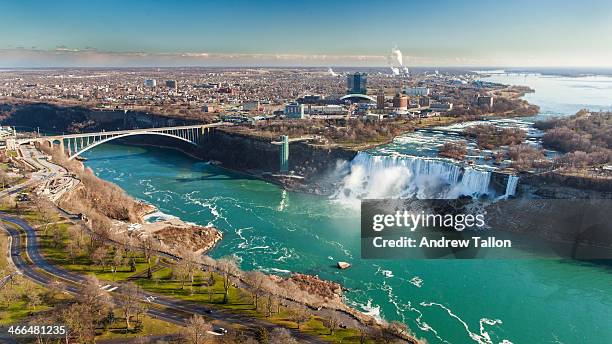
column 307, row 280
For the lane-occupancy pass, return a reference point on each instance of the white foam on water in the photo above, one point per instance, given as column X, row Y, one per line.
column 481, row 338
column 416, row 281
column 283, row 202
column 158, row 216
column 402, row 308
column 276, row 270
column 372, row 310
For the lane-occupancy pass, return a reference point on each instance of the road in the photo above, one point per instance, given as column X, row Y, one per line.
column 168, row 309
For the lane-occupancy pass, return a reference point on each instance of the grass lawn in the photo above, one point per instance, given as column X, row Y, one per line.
column 151, row 327
column 165, row 283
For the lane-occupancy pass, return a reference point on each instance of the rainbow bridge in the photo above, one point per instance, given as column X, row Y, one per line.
column 77, row 144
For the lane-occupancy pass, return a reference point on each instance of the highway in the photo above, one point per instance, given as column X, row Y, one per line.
column 168, row 309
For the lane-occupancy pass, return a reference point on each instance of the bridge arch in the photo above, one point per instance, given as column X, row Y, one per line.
column 97, row 143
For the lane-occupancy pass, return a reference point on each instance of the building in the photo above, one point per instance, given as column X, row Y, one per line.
column 400, row 102
column 252, row 106
column 374, row 117
column 380, row 100
column 416, row 91
column 171, row 84
column 423, row 101
column 357, row 83
column 485, row 101
column 294, row 110
column 208, row 108
column 150, row 83
column 326, row 111
column 441, row 107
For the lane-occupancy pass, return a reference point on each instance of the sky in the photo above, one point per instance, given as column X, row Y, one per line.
column 541, row 33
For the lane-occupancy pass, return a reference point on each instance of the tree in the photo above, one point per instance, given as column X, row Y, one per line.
column 130, row 297
column 255, row 280
column 229, row 269
column 454, row 150
column 331, row 321
column 281, row 335
column 32, row 295
column 196, row 329
column 99, row 256
column 298, row 315
column 4, row 179
column 180, row 271
column 57, row 236
column 80, row 323
column 147, row 248
column 92, row 296
column 45, row 212
column 210, row 286
column 117, row 260
column 73, row 250
column 192, row 264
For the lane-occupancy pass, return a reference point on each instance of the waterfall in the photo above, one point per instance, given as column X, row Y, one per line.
column 377, row 176
column 511, row 186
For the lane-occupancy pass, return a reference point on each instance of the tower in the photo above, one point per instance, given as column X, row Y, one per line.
column 357, row 83
column 380, row 99
column 284, row 154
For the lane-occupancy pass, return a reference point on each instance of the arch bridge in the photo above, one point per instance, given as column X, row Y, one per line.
column 77, row 144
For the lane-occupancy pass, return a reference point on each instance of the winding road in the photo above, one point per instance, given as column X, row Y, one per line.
column 164, row 308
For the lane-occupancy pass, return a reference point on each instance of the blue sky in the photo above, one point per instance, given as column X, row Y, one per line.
column 470, row 32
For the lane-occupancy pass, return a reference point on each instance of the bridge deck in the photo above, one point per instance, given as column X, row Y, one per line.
column 122, row 132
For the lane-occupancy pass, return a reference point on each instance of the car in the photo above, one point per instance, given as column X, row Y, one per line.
column 23, row 198
column 220, row 330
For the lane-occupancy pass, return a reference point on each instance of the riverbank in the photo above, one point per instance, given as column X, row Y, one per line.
column 320, row 296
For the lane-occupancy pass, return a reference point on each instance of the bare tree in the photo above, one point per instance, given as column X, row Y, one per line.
column 192, row 262
column 331, row 321
column 117, row 260
column 298, row 315
column 147, row 246
column 99, row 256
column 229, row 269
column 57, row 236
column 196, row 330
column 180, row 271
column 255, row 280
column 130, row 298
column 79, row 322
column 281, row 335
column 45, row 211
column 73, row 250
column 4, row 179
column 91, row 295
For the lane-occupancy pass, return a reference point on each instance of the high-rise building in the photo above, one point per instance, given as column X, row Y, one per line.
column 357, row 83
column 171, row 84
column 150, row 83
column 380, row 99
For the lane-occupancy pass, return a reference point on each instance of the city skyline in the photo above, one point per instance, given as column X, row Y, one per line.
column 316, row 33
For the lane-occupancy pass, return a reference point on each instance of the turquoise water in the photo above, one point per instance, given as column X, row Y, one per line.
column 475, row 301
